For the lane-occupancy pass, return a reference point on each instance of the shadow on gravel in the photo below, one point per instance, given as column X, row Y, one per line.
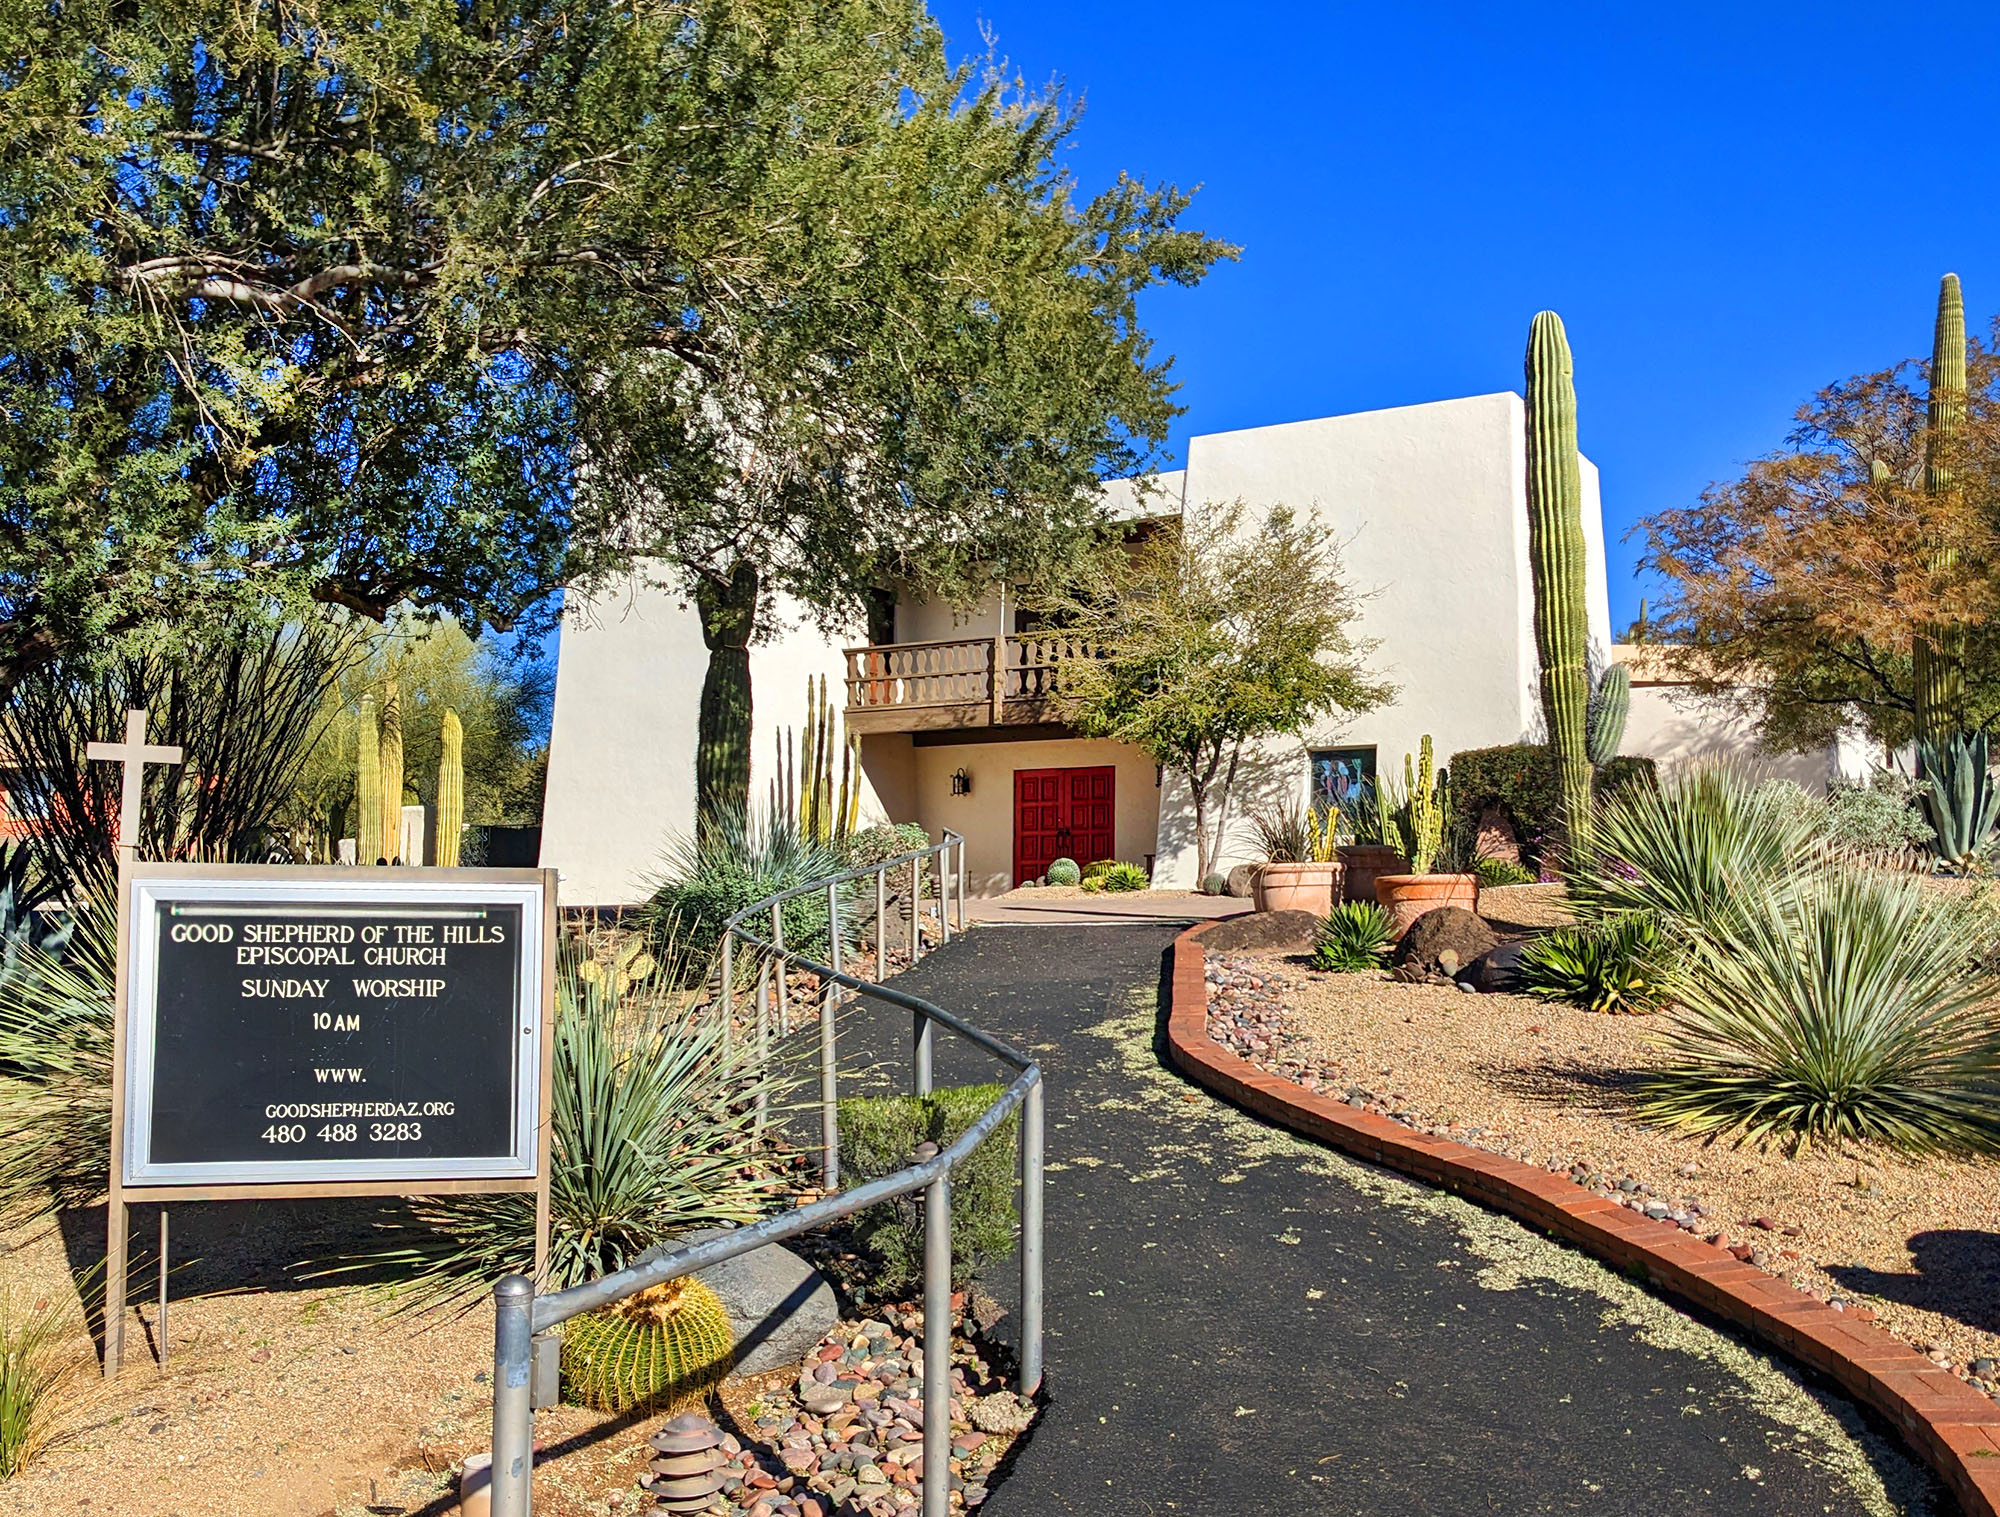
column 1957, row 1274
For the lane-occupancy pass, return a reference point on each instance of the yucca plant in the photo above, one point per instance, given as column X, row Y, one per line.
column 1296, row 833
column 1958, row 794
column 654, row 1133
column 1354, row 937
column 1687, row 852
column 734, row 862
column 1837, row 1006
column 55, row 1074
column 1611, row 966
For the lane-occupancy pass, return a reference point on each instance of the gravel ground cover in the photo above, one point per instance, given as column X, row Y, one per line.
column 1913, row 1244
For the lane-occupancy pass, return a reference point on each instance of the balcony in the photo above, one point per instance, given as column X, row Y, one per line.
column 968, row 682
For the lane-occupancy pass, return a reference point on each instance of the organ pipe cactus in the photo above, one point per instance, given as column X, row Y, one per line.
column 1939, row 648
column 1610, row 706
column 450, row 789
column 1557, row 556
column 392, row 771
column 1422, row 825
column 367, row 787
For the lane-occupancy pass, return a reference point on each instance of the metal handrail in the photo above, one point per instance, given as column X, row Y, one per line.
column 520, row 1314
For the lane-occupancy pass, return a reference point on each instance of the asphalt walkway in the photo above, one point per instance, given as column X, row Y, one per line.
column 1240, row 1322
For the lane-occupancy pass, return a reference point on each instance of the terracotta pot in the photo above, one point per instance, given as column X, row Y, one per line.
column 1365, row 863
column 1409, row 896
column 1296, row 887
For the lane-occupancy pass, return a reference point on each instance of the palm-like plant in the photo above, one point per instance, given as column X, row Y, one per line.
column 1607, row 967
column 55, row 1073
column 1838, row 1006
column 655, row 1120
column 1354, row 937
column 1687, row 852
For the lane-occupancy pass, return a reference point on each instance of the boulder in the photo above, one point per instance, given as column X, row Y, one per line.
column 779, row 1306
column 1443, row 941
column 1496, row 970
column 1241, row 879
column 1496, row 837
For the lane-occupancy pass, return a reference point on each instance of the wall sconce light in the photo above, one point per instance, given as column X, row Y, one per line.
column 961, row 782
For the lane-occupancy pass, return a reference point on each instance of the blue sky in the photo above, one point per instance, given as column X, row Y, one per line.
column 1730, row 205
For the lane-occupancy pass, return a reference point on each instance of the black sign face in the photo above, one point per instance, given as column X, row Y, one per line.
column 325, row 1036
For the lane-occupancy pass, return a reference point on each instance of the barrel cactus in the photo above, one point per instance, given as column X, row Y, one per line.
column 664, row 1349
column 1610, row 705
column 450, row 789
column 1557, row 556
column 367, row 786
column 1064, row 872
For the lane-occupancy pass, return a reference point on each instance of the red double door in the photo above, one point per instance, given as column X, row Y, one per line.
column 1061, row 814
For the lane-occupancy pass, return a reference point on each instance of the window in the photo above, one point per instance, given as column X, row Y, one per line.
column 1342, row 777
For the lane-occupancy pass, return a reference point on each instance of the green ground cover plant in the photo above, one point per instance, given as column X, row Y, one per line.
column 1607, row 967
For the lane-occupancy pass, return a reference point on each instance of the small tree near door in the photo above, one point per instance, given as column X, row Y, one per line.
column 1232, row 628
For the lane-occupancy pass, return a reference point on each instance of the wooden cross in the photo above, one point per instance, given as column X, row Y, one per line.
column 135, row 753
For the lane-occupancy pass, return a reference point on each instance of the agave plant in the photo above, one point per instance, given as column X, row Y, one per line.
column 1958, row 794
column 1688, row 852
column 1838, row 1006
column 1353, row 938
column 654, row 1133
column 1612, row 966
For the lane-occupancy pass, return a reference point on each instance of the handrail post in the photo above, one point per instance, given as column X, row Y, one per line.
column 937, row 1340
column 829, row 1073
column 944, row 891
column 881, row 921
column 920, row 1053
column 513, row 1493
column 916, row 903
column 763, row 1039
column 728, row 991
column 1031, row 1240
column 778, row 967
column 961, row 882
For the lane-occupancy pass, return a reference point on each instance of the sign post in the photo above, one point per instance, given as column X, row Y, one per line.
column 307, row 1032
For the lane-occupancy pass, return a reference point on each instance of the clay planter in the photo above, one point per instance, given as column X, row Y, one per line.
column 1296, row 887
column 1364, row 864
column 1409, row 896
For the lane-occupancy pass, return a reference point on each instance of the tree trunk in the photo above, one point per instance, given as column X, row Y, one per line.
column 728, row 611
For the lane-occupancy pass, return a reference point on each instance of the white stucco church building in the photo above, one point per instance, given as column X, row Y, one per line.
column 1429, row 504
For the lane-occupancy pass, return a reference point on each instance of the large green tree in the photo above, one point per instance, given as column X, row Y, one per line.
column 335, row 301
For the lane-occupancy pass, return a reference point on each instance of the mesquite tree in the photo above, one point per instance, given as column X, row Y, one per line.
column 1209, row 634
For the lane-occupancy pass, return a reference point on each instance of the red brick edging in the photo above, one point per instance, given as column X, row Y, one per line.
column 1948, row 1423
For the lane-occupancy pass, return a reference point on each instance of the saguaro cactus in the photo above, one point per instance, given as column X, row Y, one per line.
column 1556, row 553
column 1610, row 705
column 451, row 789
column 1939, row 648
column 367, row 786
column 392, row 771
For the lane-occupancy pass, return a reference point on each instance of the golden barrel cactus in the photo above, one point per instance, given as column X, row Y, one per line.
column 664, row 1349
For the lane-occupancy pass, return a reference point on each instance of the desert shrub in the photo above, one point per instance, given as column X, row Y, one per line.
column 732, row 863
column 1609, row 967
column 1496, row 873
column 1520, row 779
column 880, row 1135
column 1835, row 1006
column 1882, row 816
column 1688, row 850
column 884, row 840
column 1354, row 937
column 1122, row 877
column 1064, row 872
column 654, row 1122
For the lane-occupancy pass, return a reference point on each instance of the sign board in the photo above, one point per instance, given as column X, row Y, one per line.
column 379, row 1029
